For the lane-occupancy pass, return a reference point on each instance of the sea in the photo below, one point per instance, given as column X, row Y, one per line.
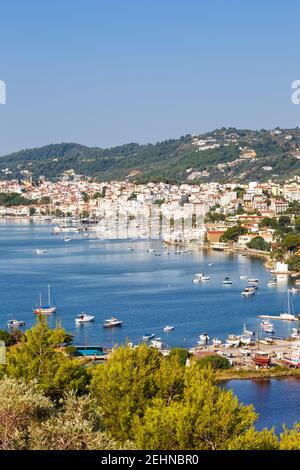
column 147, row 291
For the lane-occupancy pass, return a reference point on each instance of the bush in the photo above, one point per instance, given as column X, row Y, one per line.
column 216, row 361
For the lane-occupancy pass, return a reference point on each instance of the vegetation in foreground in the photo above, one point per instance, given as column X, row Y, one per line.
column 138, row 399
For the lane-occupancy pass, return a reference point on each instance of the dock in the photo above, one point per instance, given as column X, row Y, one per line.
column 278, row 317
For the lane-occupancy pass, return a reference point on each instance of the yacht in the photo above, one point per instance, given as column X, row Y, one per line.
column 168, row 328
column 227, row 281
column 112, row 322
column 84, row 318
column 290, row 314
column 45, row 309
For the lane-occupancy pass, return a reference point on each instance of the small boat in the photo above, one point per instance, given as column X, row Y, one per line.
column 197, row 280
column 15, row 323
column 292, row 360
column 40, row 252
column 205, row 278
column 151, row 250
column 261, row 358
column 243, row 277
column 272, row 282
column 112, row 322
column 203, row 339
column 157, row 343
column 210, row 264
column 84, row 318
column 268, row 327
column 168, row 328
column 233, row 340
column 67, row 239
column 45, row 309
column 248, row 291
column 130, row 248
column 216, row 342
column 227, row 281
column 253, row 281
column 295, row 333
column 147, row 336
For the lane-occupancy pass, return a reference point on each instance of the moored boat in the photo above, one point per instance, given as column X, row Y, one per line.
column 84, row 318
column 15, row 323
column 45, row 309
column 112, row 322
column 147, row 336
column 227, row 281
column 169, row 328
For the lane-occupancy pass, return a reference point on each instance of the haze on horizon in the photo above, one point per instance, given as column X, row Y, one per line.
column 105, row 73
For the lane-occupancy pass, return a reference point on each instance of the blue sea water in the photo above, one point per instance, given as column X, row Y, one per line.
column 146, row 292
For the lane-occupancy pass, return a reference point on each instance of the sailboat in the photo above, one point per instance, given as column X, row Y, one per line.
column 290, row 315
column 45, row 309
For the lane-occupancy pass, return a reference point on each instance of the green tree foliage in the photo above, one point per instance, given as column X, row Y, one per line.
column 181, row 355
column 268, row 222
column 10, row 338
column 258, row 243
column 294, row 263
column 124, row 385
column 290, row 439
column 37, row 357
column 213, row 216
column 207, row 417
column 232, row 233
column 291, row 241
column 13, row 199
column 215, row 361
column 22, row 404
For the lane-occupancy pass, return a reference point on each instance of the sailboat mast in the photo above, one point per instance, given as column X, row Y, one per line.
column 49, row 295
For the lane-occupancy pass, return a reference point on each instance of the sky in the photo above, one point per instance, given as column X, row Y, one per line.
column 108, row 72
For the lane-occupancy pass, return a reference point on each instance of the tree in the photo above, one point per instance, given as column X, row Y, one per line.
column 232, row 233
column 294, row 263
column 207, row 418
column 290, row 439
column 216, row 362
column 32, row 211
column 21, row 405
column 76, row 426
column 37, row 357
column 268, row 222
column 291, row 241
column 258, row 243
column 124, row 385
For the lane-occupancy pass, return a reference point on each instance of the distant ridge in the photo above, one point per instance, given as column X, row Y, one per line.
column 221, row 155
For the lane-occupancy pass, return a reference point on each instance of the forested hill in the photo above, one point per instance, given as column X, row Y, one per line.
column 221, row 155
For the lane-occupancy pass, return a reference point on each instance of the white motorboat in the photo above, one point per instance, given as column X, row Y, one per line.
column 227, row 281
column 233, row 340
column 197, row 280
column 253, row 281
column 157, row 343
column 243, row 277
column 248, row 291
column 67, row 239
column 216, row 342
column 272, row 282
column 112, row 322
column 84, row 318
column 210, row 264
column 168, row 328
column 147, row 336
column 15, row 323
column 40, row 252
column 268, row 327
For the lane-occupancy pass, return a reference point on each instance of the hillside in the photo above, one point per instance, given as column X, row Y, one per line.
column 221, row 155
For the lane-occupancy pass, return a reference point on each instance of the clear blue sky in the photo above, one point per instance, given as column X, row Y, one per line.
column 107, row 72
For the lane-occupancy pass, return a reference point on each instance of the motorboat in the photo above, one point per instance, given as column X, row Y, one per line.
column 268, row 327
column 84, row 318
column 210, row 264
column 130, row 248
column 147, row 336
column 216, row 342
column 233, row 341
column 40, row 252
column 253, row 281
column 15, row 323
column 248, row 291
column 67, row 239
column 293, row 359
column 243, row 277
column 272, row 282
column 227, row 281
column 168, row 328
column 112, row 322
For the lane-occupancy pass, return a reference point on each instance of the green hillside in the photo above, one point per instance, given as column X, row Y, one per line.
column 196, row 158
